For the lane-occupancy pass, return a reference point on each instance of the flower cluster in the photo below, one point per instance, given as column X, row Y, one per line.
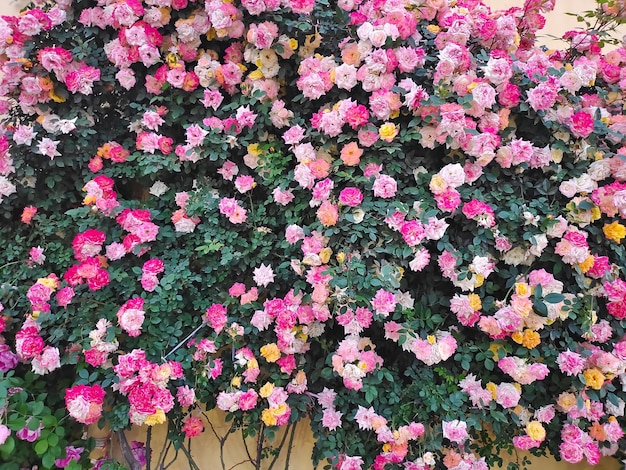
column 400, row 219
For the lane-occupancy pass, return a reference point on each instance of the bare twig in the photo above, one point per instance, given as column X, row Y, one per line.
column 280, row 446
column 290, row 446
column 127, row 452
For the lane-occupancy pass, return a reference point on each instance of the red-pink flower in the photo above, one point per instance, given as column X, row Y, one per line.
column 130, row 316
column 193, row 426
column 28, row 213
column 581, row 124
column 84, row 402
column 216, row 317
column 351, row 197
column 384, row 302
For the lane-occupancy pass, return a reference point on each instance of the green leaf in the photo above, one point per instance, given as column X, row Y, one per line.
column 41, row 447
column 7, row 447
column 48, row 460
column 554, row 298
column 540, row 308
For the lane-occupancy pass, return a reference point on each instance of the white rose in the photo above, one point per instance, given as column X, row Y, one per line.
column 568, row 188
column 599, row 170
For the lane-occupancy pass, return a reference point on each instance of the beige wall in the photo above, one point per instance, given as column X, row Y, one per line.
column 557, row 21
column 10, row 7
column 206, row 452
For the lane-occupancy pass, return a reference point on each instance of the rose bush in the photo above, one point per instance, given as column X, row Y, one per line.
column 401, row 219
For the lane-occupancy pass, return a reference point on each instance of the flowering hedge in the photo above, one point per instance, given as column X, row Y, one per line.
column 401, row 219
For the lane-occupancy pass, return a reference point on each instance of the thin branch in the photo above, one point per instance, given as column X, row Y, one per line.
column 291, row 438
column 221, row 440
column 259, row 448
column 127, row 452
column 240, row 463
column 280, row 446
column 173, row 461
column 148, row 449
column 192, row 463
column 245, row 445
column 166, row 445
column 165, row 451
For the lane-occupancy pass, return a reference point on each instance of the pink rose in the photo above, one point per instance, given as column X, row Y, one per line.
column 455, row 431
column 4, row 433
column 131, row 316
column 384, row 186
column 350, row 197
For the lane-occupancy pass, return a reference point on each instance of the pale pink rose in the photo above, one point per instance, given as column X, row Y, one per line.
column 346, row 76
column 507, row 395
column 455, row 431
column 331, row 419
column 570, row 363
column 571, row 452
column 420, row 261
column 328, row 214
column 47, row 362
column 126, row 78
column 384, row 186
column 244, row 183
column 282, row 197
column 4, row 433
column 131, row 316
column 453, row 174
column 384, row 302
column 294, row 233
column 251, row 296
column 293, row 135
column 263, row 275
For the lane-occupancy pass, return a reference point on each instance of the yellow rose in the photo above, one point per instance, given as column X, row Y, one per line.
column 594, row 378
column 254, row 150
column 49, row 282
column 56, row 98
column 474, row 301
column 587, row 264
column 535, row 431
column 325, row 255
column 493, row 388
column 437, row 184
column 268, row 418
column 388, row 131
column 614, row 231
column 522, row 289
column 266, row 390
column 255, row 75
column 270, row 352
column 518, row 337
column 494, row 348
column 566, row 401
column 530, row 339
column 596, row 213
column 156, row 418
